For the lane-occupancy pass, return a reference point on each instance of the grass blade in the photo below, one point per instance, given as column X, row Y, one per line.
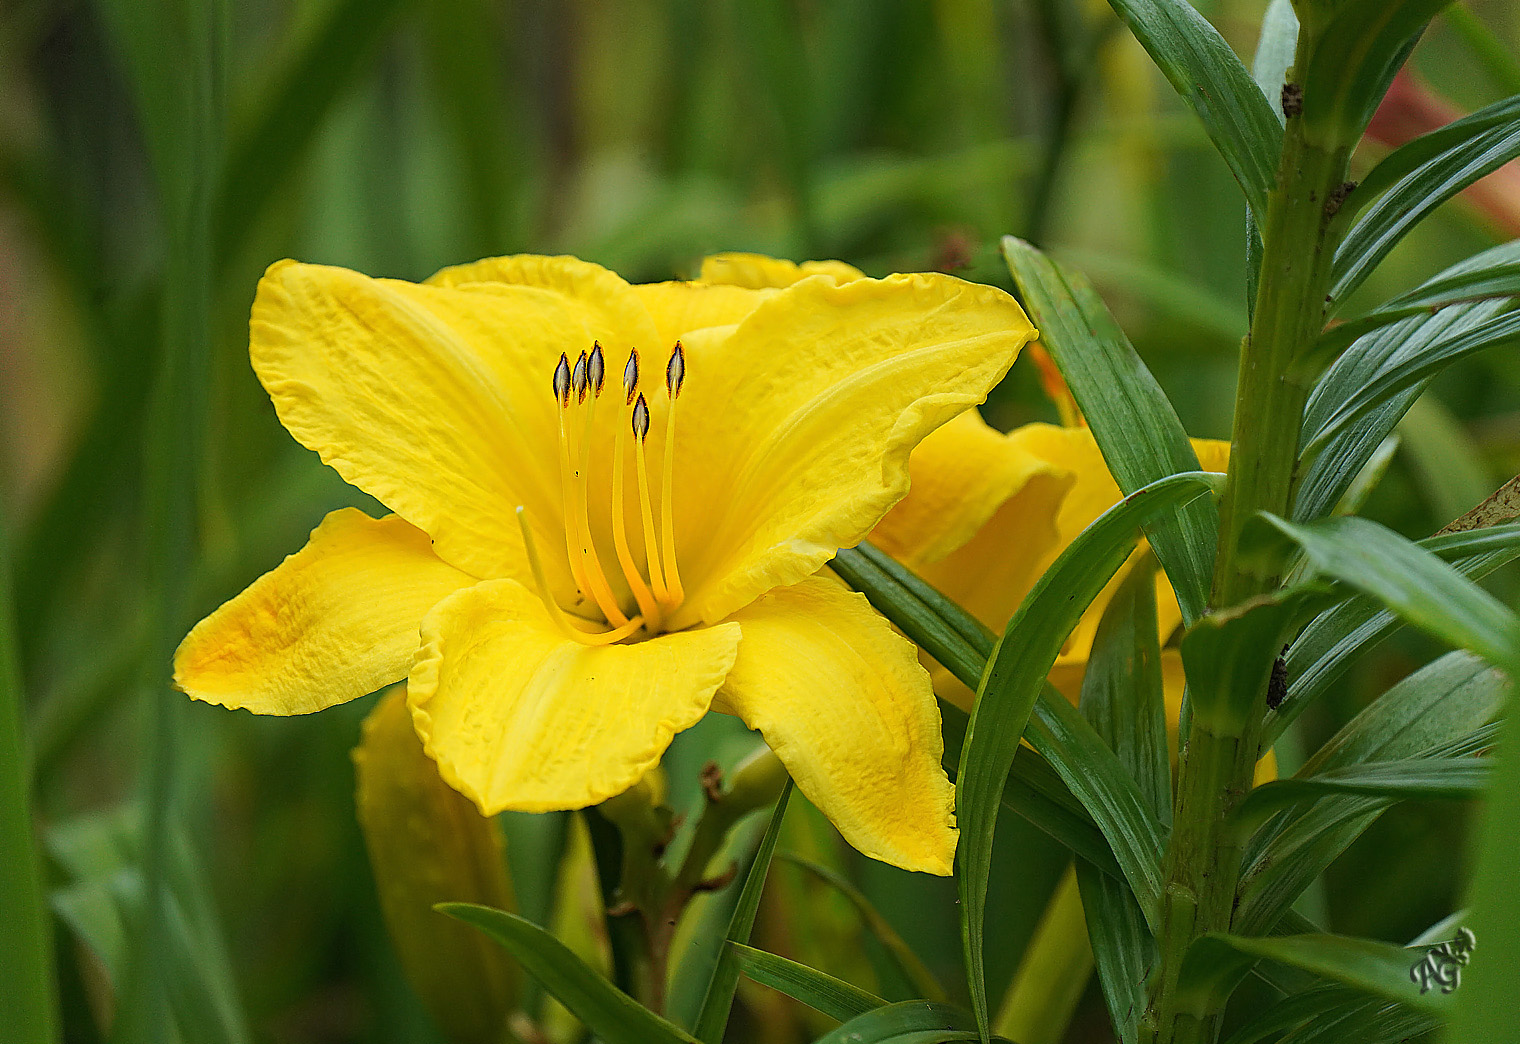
column 907, row 1022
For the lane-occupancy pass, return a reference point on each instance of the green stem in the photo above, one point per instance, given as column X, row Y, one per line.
column 28, row 1004
column 1203, row 858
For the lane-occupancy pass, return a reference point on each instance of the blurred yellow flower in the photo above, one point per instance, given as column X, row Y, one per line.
column 558, row 619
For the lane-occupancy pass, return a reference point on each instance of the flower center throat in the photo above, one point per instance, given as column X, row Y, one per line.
column 657, row 586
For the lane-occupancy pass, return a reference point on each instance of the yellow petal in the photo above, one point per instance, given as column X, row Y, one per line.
column 520, row 717
column 679, row 308
column 796, row 428
column 841, row 699
column 334, row 621
column 963, row 474
column 437, row 401
column 757, row 270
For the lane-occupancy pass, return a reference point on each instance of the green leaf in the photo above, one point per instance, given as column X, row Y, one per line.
column 1379, row 371
column 1323, row 651
column 1491, row 274
column 909, row 966
column 606, row 1010
column 1123, row 699
column 719, row 999
column 1357, row 53
column 1379, row 969
column 818, row 990
column 1135, row 425
column 1204, row 70
column 1415, row 178
column 1008, row 692
column 907, row 1022
column 1411, row 778
column 1122, row 695
column 1435, row 707
column 1412, row 582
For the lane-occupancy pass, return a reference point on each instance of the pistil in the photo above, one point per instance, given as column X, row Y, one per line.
column 640, row 425
column 648, row 605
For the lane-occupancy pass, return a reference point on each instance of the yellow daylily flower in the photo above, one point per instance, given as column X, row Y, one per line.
column 591, row 546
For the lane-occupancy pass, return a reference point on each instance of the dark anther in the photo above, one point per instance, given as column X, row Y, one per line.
column 1292, row 100
column 562, row 380
column 596, row 370
column 1337, row 197
column 675, row 370
column 578, row 378
column 631, row 376
column 1277, row 684
column 640, row 418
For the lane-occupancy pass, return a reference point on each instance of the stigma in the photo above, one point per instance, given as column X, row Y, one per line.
column 652, row 579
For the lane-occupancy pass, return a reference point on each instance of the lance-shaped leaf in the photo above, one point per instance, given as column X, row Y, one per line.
column 1123, row 699
column 1411, row 778
column 1134, row 424
column 1204, row 70
column 818, row 990
column 1369, row 966
column 1491, row 274
column 606, row 1010
column 1325, row 648
column 1414, row 179
column 1010, row 687
column 1411, row 581
column 1380, row 376
column 1341, row 456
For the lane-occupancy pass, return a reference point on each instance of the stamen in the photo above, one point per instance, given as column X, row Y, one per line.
column 675, row 375
column 558, row 615
column 596, row 370
column 563, row 384
column 640, row 425
column 601, row 590
column 648, row 605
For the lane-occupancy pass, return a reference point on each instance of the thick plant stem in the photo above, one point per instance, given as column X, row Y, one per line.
column 1203, row 859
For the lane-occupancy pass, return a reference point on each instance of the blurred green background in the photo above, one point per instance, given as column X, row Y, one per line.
column 150, row 170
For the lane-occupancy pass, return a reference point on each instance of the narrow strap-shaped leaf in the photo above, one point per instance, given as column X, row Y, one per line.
column 1011, row 685
column 1412, row 582
column 1123, row 948
column 713, row 1018
column 1135, row 425
column 1204, row 70
column 1326, row 647
column 606, row 1010
column 1122, row 693
column 1407, row 366
column 818, row 990
column 909, row 965
column 906, row 1022
column 1333, row 468
column 1370, row 966
column 1416, row 178
column 1493, row 273
column 1413, row 778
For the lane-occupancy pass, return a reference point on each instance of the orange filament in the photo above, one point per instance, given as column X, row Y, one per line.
column 558, row 615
